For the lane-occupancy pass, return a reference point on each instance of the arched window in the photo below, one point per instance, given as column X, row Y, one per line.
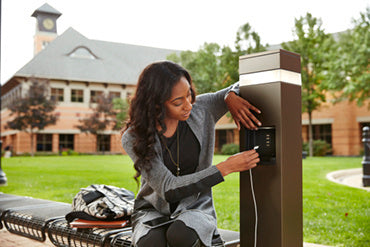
column 82, row 52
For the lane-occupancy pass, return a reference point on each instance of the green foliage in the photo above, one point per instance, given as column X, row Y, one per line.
column 348, row 75
column 203, row 66
column 229, row 149
column 69, row 152
column 212, row 67
column 120, row 107
column 248, row 41
column 313, row 46
column 320, row 148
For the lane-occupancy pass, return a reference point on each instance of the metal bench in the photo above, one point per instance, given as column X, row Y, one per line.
column 38, row 219
column 28, row 216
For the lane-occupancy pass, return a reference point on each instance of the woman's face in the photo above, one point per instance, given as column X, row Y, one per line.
column 178, row 106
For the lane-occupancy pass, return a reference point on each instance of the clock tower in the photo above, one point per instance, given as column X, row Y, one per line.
column 46, row 26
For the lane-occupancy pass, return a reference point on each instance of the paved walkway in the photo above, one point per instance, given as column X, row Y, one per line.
column 350, row 177
column 8, row 239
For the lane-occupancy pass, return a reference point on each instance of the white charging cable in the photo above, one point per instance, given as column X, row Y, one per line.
column 255, row 209
column 255, row 204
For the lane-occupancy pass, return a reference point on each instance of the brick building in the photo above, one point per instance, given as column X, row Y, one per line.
column 339, row 125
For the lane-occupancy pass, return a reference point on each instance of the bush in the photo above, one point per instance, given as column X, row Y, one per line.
column 320, row 148
column 229, row 149
column 69, row 152
column 72, row 152
column 45, row 154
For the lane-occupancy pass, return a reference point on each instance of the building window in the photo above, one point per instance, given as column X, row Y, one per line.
column 77, row 95
column 94, row 96
column 57, row 94
column 66, row 142
column 44, row 44
column 114, row 95
column 44, row 142
column 321, row 132
column 103, row 142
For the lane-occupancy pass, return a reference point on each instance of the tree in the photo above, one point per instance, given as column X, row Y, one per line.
column 120, row 108
column 348, row 75
column 107, row 114
column 34, row 111
column 313, row 45
column 248, row 41
column 213, row 67
column 203, row 66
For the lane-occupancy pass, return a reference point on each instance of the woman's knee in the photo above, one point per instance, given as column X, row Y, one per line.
column 155, row 237
column 179, row 235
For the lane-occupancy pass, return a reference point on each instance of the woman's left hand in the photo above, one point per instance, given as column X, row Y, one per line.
column 240, row 109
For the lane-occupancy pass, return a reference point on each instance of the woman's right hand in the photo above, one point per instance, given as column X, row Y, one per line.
column 239, row 162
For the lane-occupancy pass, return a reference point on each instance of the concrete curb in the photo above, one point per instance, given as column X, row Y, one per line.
column 348, row 177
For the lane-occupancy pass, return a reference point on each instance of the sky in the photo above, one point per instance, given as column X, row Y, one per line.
column 173, row 24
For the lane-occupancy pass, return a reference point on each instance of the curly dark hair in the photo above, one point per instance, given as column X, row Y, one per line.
column 147, row 110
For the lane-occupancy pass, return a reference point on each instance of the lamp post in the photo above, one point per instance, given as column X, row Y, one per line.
column 271, row 81
column 366, row 160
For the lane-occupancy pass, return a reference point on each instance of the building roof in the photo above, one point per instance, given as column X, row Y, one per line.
column 72, row 56
column 46, row 8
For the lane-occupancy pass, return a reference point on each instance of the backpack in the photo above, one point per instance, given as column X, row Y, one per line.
column 102, row 202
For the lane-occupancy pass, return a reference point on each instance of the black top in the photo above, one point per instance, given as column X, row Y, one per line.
column 189, row 151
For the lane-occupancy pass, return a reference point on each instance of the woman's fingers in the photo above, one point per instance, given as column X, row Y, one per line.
column 245, row 160
column 241, row 109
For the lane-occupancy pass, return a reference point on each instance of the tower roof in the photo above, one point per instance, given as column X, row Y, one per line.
column 46, row 9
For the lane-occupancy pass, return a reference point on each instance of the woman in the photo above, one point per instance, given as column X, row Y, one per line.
column 170, row 138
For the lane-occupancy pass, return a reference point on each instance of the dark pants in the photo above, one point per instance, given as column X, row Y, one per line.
column 175, row 235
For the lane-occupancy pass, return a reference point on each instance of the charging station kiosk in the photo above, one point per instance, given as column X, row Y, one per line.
column 271, row 81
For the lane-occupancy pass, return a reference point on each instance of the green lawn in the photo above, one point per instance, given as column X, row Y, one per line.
column 333, row 214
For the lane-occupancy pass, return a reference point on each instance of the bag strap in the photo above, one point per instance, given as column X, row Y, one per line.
column 92, row 196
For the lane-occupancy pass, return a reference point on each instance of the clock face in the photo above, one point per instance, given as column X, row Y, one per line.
column 48, row 23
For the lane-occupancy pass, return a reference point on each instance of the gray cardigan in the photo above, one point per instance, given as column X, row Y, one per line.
column 159, row 187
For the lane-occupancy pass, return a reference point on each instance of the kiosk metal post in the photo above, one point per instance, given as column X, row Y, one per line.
column 271, row 81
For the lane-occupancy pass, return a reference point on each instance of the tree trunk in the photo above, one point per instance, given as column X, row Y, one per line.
column 310, row 134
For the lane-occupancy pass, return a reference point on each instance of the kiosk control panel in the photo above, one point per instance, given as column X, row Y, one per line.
column 263, row 140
